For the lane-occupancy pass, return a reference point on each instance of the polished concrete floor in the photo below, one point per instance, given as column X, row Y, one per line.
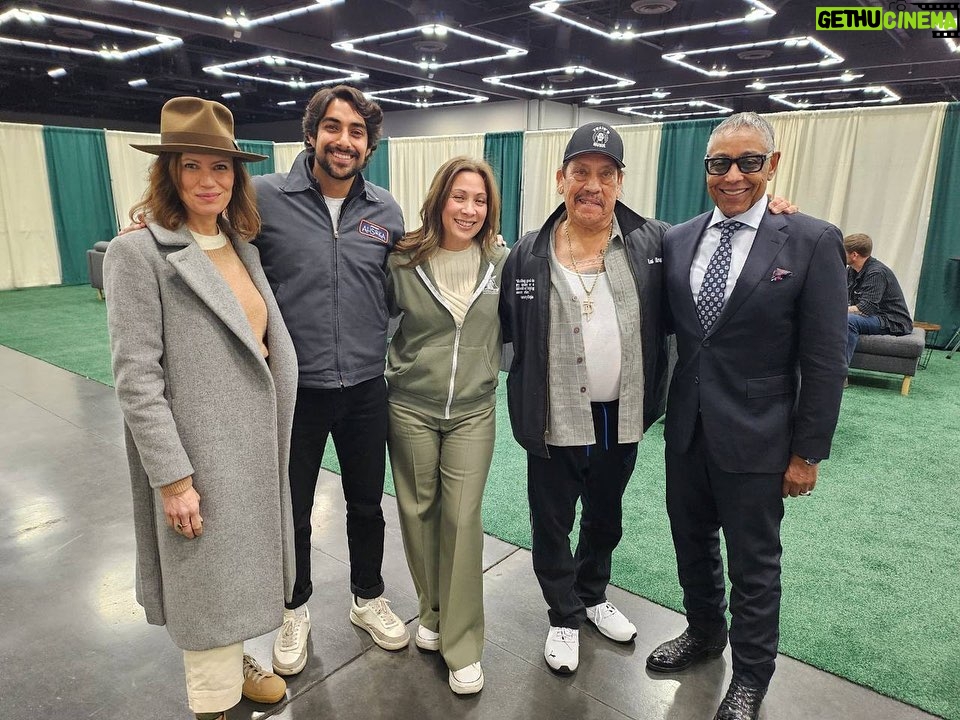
column 74, row 644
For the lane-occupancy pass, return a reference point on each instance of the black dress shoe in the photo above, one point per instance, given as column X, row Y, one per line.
column 741, row 702
column 682, row 652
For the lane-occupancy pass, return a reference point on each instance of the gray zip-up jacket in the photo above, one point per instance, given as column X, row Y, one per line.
column 436, row 365
column 330, row 286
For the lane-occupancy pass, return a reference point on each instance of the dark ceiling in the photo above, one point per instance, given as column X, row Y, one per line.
column 912, row 64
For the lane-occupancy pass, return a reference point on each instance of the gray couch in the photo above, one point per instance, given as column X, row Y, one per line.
column 95, row 266
column 890, row 354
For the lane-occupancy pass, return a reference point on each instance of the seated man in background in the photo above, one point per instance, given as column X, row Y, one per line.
column 874, row 297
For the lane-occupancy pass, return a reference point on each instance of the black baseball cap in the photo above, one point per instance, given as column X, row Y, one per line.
column 595, row 138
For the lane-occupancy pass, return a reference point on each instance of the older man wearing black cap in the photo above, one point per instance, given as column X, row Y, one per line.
column 581, row 302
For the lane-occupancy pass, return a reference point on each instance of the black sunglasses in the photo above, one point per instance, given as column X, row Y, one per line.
column 745, row 163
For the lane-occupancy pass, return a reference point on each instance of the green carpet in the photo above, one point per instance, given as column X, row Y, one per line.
column 871, row 588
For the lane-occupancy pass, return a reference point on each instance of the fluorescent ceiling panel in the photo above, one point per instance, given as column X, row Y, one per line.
column 678, row 109
column 791, row 53
column 425, row 96
column 280, row 70
column 575, row 12
column 837, row 97
column 62, row 33
column 240, row 20
column 572, row 79
column 421, row 46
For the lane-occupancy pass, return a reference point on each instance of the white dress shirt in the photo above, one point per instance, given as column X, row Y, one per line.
column 741, row 242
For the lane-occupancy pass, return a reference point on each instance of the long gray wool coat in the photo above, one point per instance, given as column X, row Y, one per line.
column 199, row 399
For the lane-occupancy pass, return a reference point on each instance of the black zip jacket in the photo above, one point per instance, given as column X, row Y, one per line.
column 525, row 320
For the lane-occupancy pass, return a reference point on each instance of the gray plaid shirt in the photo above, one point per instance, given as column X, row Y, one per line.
column 569, row 415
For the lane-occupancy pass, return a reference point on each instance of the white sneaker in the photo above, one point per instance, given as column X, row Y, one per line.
column 376, row 617
column 611, row 622
column 290, row 647
column 427, row 639
column 468, row 680
column 562, row 650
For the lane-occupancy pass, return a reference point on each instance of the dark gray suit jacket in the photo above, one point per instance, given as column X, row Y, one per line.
column 785, row 321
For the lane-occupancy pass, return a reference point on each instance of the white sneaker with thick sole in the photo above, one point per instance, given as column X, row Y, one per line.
column 562, row 650
column 427, row 639
column 468, row 680
column 290, row 647
column 376, row 617
column 611, row 622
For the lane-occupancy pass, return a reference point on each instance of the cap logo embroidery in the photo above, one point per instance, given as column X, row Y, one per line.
column 600, row 136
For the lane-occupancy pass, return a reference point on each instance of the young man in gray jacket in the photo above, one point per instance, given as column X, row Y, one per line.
column 324, row 243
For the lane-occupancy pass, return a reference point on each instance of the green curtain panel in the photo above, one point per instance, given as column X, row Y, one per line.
column 83, row 211
column 378, row 169
column 504, row 152
column 938, row 294
column 264, row 167
column 682, row 191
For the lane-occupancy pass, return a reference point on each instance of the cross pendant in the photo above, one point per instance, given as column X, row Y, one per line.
column 587, row 307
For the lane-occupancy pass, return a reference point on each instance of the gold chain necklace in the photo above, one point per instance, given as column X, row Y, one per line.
column 587, row 303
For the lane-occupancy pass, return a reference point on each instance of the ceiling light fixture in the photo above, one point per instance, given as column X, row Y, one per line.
column 809, row 99
column 424, row 94
column 230, row 95
column 139, row 82
column 755, row 10
column 845, row 77
column 354, row 46
column 656, row 94
column 828, row 57
column 570, row 70
column 284, row 103
column 340, row 74
column 57, row 72
column 241, row 21
column 655, row 112
column 156, row 44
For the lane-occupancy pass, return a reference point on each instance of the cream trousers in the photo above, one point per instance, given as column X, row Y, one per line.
column 214, row 678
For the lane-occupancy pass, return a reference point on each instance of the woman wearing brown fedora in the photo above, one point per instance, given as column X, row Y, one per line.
column 206, row 377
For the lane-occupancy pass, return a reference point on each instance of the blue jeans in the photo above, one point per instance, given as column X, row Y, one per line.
column 858, row 325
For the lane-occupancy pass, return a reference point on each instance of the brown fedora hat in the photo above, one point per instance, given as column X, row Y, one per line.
column 191, row 124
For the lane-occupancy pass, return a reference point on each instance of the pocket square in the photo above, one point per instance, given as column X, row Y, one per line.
column 780, row 274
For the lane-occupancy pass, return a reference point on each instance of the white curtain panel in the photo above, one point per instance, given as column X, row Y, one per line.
column 543, row 156
column 28, row 239
column 128, row 169
column 413, row 162
column 284, row 154
column 867, row 170
column 641, row 155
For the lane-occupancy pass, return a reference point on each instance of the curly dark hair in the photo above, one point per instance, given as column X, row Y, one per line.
column 367, row 109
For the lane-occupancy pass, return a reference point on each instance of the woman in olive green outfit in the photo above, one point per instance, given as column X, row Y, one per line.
column 442, row 372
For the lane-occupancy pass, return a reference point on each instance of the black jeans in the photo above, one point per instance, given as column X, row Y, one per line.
column 702, row 499
column 356, row 417
column 597, row 475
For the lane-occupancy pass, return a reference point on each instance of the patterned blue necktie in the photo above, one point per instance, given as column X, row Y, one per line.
column 710, row 299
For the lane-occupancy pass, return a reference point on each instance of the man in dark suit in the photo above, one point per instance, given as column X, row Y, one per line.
column 758, row 304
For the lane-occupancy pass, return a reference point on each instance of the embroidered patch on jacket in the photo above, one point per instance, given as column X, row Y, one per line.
column 374, row 231
column 491, row 288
